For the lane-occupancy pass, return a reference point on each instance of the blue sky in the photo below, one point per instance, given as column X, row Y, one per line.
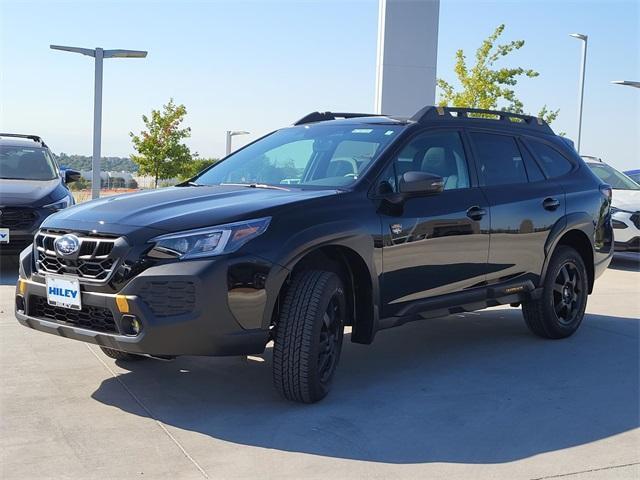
column 258, row 65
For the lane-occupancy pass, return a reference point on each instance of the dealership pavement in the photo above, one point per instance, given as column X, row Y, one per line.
column 468, row 396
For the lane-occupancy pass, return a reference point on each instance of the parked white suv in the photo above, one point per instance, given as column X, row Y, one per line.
column 625, row 205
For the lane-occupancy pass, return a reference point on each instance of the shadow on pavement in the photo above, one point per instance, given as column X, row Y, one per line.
column 476, row 388
column 629, row 262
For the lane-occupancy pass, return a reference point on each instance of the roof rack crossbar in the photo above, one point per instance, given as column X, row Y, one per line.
column 324, row 116
column 431, row 113
column 35, row 138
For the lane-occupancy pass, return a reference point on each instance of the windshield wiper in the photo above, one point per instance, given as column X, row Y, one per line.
column 255, row 185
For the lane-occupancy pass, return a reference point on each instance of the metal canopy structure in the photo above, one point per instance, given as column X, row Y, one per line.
column 628, row 83
column 407, row 56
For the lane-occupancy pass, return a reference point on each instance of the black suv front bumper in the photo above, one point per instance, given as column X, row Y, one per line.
column 199, row 307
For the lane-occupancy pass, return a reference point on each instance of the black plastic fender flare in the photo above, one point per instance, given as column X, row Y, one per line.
column 580, row 221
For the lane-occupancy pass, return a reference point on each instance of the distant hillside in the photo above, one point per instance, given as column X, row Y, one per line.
column 82, row 162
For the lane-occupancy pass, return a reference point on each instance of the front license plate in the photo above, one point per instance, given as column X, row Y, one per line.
column 64, row 292
column 4, row 235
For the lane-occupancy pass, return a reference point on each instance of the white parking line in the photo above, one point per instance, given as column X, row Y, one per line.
column 151, row 415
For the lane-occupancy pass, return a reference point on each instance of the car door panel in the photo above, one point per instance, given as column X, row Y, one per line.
column 524, row 205
column 432, row 244
column 520, row 225
column 433, row 248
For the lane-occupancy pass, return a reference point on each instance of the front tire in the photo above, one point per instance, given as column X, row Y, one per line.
column 309, row 335
column 119, row 355
column 559, row 311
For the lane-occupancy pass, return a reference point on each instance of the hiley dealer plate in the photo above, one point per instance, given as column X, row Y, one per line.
column 4, row 235
column 64, row 292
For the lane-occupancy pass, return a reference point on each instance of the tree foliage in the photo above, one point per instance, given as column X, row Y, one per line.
column 486, row 86
column 161, row 151
column 195, row 166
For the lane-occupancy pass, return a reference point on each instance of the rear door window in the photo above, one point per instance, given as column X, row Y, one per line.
column 499, row 159
column 533, row 169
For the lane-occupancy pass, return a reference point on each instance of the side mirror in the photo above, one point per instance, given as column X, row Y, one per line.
column 71, row 176
column 421, row 183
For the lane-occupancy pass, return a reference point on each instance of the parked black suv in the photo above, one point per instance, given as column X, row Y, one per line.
column 367, row 221
column 31, row 188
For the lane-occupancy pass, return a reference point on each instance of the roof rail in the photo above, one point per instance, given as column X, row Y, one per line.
column 35, row 138
column 324, row 116
column 431, row 113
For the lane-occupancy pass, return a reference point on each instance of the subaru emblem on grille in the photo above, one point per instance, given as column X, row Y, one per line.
column 67, row 245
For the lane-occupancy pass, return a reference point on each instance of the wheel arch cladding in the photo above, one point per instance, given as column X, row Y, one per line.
column 579, row 241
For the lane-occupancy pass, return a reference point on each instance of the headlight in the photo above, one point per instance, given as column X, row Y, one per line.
column 60, row 204
column 207, row 242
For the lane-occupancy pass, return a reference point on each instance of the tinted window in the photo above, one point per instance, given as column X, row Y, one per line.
column 440, row 153
column 552, row 162
column 499, row 159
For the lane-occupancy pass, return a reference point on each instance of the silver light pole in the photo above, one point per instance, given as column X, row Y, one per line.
column 99, row 54
column 583, row 65
column 628, row 83
column 233, row 133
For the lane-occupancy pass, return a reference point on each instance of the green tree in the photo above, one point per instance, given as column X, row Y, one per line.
column 195, row 166
column 486, row 86
column 161, row 152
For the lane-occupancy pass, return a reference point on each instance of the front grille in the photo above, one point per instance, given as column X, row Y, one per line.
column 169, row 298
column 17, row 218
column 94, row 260
column 92, row 318
column 635, row 218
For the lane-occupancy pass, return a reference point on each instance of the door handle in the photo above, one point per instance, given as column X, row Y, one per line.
column 550, row 203
column 476, row 213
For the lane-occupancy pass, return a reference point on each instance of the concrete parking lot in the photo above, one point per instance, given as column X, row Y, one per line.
column 469, row 396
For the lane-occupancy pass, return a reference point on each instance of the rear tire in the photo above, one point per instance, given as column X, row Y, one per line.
column 309, row 336
column 119, row 355
column 559, row 311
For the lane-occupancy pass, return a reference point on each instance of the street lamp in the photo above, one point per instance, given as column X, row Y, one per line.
column 628, row 83
column 99, row 54
column 583, row 65
column 233, row 133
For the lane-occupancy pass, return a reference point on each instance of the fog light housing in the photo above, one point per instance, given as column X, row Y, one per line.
column 131, row 325
column 20, row 304
column 618, row 224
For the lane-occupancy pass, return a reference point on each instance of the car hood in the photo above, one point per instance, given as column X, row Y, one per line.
column 626, row 200
column 176, row 208
column 25, row 192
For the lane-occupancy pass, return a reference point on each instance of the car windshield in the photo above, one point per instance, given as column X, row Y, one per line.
column 23, row 163
column 304, row 156
column 617, row 180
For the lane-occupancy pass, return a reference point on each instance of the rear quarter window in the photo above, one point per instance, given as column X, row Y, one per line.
column 552, row 162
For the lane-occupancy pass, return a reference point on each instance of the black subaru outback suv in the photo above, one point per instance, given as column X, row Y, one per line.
column 342, row 219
